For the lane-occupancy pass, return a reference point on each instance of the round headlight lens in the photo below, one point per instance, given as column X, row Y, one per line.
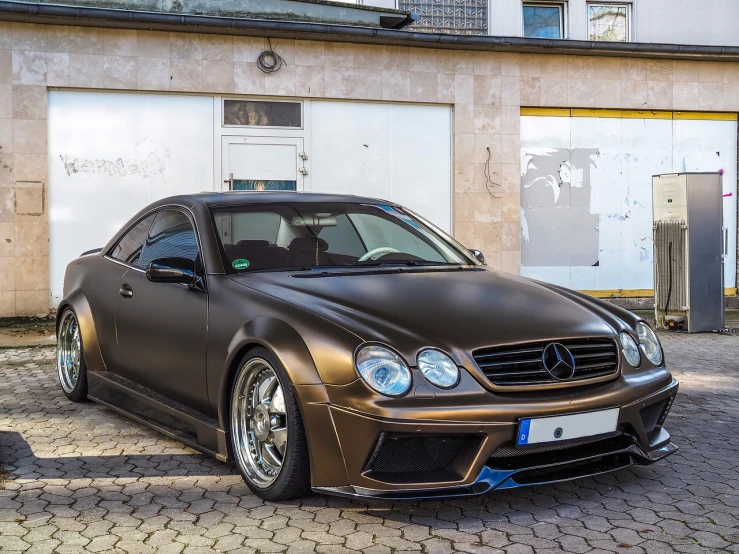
column 630, row 349
column 383, row 370
column 438, row 368
column 649, row 343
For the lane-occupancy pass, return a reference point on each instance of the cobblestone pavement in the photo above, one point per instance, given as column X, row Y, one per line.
column 82, row 478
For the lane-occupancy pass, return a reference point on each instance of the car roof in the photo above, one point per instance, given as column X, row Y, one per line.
column 236, row 198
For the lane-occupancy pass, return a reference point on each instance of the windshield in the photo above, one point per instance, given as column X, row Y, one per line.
column 302, row 236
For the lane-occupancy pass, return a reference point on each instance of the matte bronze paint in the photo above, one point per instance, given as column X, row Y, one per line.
column 314, row 326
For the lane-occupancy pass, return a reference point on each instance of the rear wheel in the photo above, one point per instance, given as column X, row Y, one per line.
column 70, row 360
column 267, row 433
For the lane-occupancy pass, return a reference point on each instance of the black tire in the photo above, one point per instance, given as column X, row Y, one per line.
column 77, row 393
column 293, row 480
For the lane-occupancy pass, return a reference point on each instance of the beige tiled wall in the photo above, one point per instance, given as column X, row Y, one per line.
column 486, row 90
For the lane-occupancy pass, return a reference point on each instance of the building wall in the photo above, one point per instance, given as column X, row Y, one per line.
column 711, row 22
column 486, row 90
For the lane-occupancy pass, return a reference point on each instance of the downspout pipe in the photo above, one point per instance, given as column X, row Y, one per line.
column 37, row 12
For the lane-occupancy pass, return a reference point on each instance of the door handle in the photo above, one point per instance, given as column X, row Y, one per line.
column 126, row 291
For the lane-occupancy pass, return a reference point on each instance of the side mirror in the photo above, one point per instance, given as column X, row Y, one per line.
column 477, row 254
column 171, row 270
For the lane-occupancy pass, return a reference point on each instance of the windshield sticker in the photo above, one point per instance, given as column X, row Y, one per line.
column 240, row 263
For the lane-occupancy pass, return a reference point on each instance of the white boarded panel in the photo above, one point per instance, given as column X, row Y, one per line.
column 111, row 154
column 621, row 155
column 393, row 151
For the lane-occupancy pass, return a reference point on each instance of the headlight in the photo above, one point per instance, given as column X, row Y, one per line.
column 438, row 368
column 631, row 350
column 383, row 370
column 649, row 343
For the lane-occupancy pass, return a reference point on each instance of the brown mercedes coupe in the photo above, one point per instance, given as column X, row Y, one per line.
column 347, row 345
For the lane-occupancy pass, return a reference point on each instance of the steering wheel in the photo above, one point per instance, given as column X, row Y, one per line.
column 377, row 252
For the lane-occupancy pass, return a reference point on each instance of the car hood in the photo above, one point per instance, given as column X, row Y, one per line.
column 456, row 310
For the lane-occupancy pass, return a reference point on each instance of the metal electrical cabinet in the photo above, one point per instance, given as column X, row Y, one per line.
column 689, row 246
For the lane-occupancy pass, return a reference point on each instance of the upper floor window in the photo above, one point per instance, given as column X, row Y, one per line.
column 460, row 17
column 609, row 22
column 543, row 20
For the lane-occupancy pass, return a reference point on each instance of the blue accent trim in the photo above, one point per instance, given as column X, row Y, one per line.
column 523, row 431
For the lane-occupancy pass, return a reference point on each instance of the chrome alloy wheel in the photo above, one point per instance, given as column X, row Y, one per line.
column 259, row 422
column 69, row 352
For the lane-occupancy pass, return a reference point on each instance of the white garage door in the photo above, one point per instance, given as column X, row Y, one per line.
column 111, row 154
column 397, row 152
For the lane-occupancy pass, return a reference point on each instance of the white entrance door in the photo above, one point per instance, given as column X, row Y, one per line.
column 263, row 163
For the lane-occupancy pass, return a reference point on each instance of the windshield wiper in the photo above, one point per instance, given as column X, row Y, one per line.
column 409, row 263
column 290, row 268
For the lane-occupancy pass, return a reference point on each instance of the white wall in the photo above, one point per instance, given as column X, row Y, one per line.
column 616, row 160
column 398, row 152
column 709, row 22
column 111, row 154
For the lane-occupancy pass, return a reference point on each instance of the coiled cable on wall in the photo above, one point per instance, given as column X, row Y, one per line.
column 270, row 61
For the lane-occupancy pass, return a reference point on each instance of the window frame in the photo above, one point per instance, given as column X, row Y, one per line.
column 259, row 99
column 627, row 5
column 563, row 27
column 201, row 271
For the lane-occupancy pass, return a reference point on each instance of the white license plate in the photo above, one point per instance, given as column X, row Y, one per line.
column 566, row 427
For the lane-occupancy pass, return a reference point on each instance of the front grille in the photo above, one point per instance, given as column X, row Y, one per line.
column 401, row 454
column 522, row 364
column 651, row 414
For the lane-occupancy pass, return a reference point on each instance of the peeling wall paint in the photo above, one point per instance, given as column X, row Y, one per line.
column 556, row 187
column 586, row 200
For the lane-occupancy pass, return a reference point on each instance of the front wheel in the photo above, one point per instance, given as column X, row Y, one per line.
column 70, row 361
column 267, row 433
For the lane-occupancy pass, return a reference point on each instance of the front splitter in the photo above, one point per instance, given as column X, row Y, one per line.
column 491, row 479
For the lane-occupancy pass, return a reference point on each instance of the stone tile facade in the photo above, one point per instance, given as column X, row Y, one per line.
column 486, row 90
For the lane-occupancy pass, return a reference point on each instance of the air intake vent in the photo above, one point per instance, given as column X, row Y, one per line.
column 402, row 454
column 650, row 415
column 523, row 365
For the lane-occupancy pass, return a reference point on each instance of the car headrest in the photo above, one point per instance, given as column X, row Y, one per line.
column 253, row 244
column 308, row 243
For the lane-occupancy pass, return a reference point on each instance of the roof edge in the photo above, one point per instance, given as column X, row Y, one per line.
column 55, row 14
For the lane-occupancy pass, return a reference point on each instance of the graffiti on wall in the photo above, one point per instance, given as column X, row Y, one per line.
column 558, row 226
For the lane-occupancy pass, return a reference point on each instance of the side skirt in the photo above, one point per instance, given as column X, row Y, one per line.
column 170, row 418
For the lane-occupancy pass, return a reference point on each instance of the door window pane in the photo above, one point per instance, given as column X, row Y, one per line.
column 171, row 236
column 261, row 113
column 128, row 249
column 263, row 184
column 541, row 21
column 608, row 22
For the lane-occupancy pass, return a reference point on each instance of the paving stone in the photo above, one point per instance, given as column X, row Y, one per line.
column 82, row 478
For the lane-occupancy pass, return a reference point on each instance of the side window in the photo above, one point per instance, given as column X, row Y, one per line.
column 171, row 236
column 128, row 249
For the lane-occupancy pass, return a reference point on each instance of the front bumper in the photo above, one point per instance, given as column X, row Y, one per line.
column 487, row 459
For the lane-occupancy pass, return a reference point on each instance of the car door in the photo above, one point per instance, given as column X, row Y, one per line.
column 103, row 284
column 162, row 327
